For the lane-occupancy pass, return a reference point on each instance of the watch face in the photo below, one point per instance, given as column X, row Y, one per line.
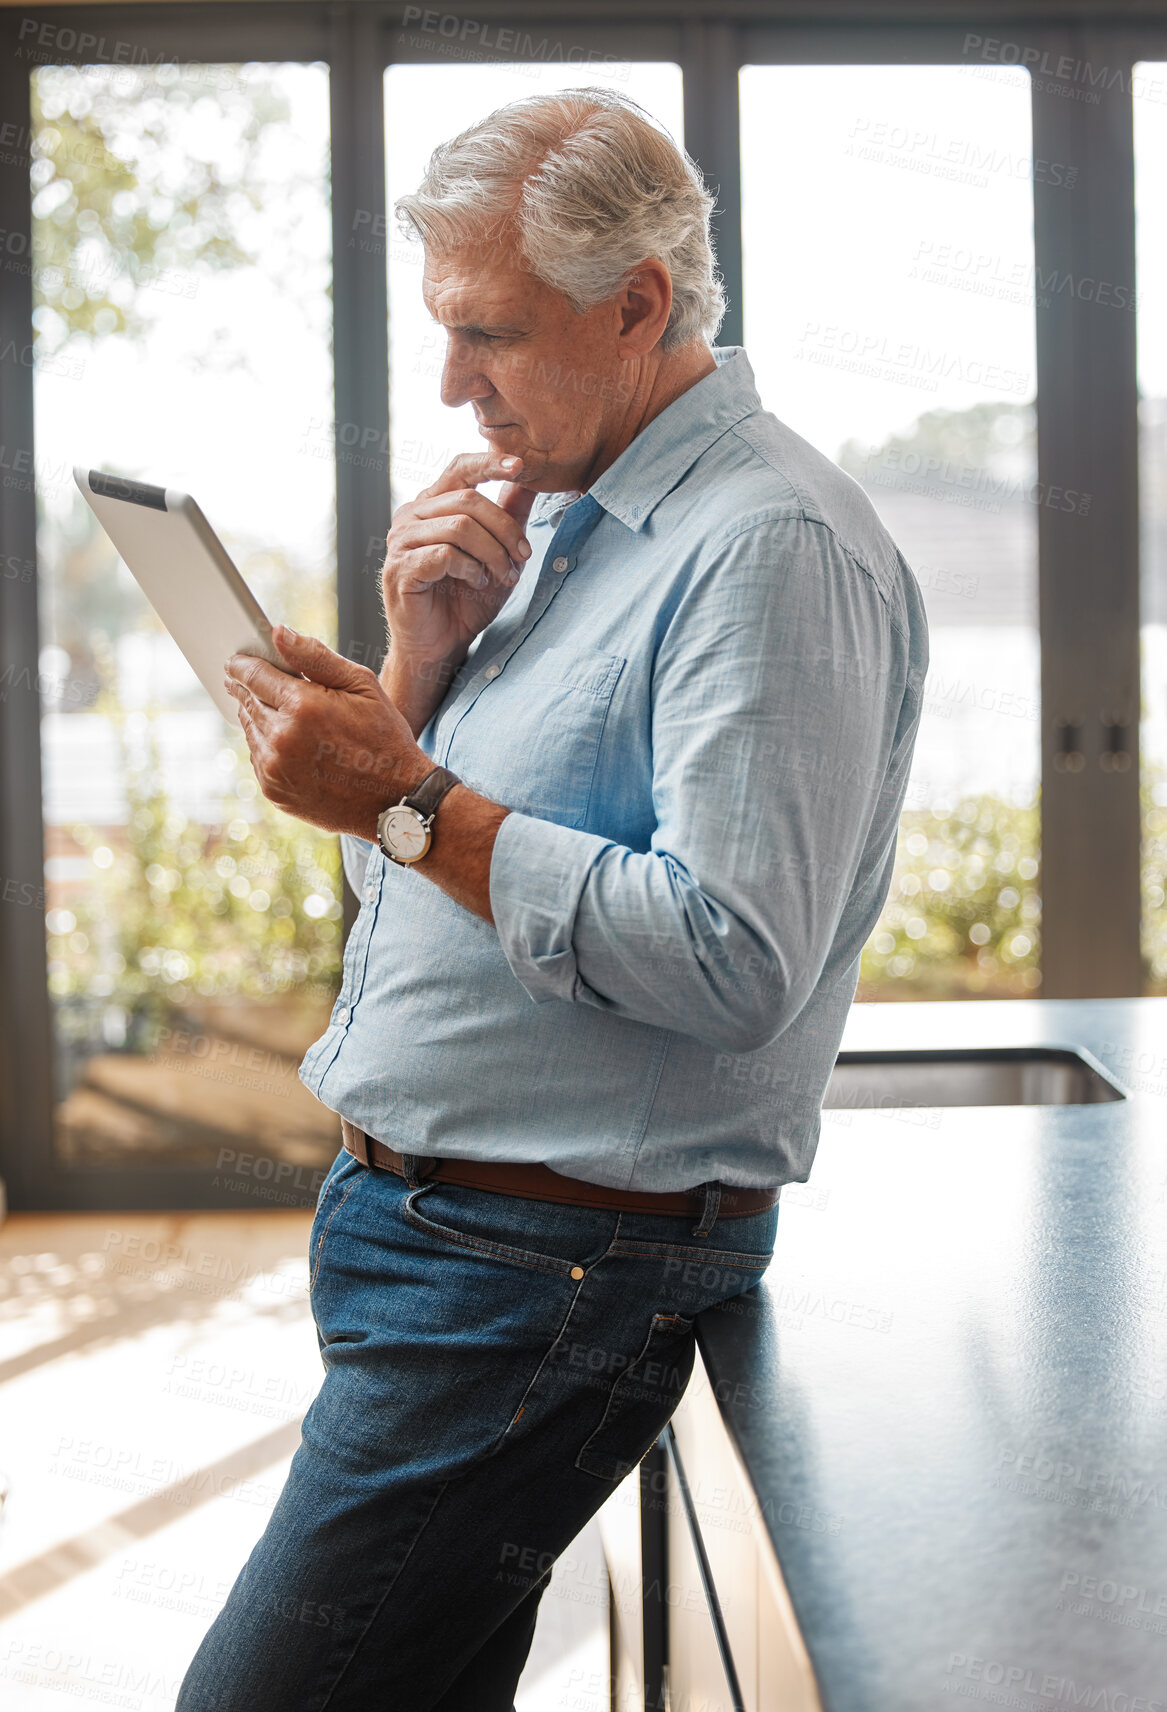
column 403, row 832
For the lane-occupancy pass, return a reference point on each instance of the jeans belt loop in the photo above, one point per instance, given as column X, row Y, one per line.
column 409, row 1168
column 709, row 1211
column 356, row 1141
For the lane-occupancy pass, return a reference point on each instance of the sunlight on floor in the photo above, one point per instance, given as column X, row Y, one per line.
column 154, row 1371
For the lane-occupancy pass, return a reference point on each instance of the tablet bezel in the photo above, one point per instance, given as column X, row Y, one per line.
column 108, row 488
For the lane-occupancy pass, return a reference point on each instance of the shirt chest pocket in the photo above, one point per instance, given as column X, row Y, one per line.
column 532, row 738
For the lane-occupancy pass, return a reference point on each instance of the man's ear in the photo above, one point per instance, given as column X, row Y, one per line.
column 645, row 304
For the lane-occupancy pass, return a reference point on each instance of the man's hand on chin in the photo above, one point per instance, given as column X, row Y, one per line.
column 328, row 746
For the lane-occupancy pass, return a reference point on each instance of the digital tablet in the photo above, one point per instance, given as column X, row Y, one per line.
column 186, row 574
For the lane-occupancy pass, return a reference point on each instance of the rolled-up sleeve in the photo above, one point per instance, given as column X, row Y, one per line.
column 776, row 691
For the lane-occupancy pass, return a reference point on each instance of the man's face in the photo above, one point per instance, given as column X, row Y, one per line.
column 547, row 385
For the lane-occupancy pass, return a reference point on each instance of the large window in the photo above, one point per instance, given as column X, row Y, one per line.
column 181, row 248
column 901, row 221
column 889, row 313
column 1150, row 96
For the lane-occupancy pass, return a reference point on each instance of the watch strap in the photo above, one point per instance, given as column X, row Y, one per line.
column 426, row 796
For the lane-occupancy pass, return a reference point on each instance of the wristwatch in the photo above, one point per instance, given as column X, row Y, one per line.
column 403, row 829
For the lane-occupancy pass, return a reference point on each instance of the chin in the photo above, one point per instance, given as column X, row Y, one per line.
column 534, row 472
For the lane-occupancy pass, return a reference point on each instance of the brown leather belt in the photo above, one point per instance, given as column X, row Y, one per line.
column 540, row 1183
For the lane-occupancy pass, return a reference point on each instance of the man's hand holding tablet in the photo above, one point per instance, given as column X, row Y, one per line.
column 327, row 744
column 328, row 739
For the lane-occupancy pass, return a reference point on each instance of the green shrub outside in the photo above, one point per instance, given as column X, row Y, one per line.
column 962, row 917
column 963, row 914
column 181, row 913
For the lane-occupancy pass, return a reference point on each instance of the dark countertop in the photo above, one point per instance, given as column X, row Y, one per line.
column 950, row 1389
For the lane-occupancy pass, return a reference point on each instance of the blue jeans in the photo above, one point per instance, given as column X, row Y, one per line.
column 494, row 1367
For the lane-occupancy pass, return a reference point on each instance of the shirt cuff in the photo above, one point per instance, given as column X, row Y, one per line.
column 538, row 871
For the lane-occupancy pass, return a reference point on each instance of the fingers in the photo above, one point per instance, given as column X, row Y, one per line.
column 243, row 714
column 470, row 468
column 517, row 501
column 244, row 701
column 259, row 678
column 315, row 660
column 246, row 717
column 463, row 549
column 504, row 525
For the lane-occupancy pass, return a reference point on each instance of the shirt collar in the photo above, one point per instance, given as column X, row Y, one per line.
column 550, row 507
column 661, row 454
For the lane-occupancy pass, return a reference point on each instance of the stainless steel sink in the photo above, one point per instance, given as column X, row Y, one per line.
column 973, row 1076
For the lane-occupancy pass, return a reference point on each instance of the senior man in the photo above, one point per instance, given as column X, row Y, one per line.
column 621, row 812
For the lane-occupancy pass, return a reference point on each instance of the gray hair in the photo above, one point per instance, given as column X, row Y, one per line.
column 589, row 186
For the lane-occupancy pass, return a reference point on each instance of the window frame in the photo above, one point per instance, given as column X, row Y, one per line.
column 1087, row 435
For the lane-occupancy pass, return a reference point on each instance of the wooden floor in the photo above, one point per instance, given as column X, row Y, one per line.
column 153, row 1373
column 222, row 1074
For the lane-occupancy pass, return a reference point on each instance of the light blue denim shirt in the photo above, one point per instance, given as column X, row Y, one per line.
column 700, row 701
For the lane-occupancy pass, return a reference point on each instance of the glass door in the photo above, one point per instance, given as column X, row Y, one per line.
column 1149, row 83
column 182, row 279
column 889, row 295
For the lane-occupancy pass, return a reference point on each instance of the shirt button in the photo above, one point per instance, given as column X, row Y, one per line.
column 343, row 1015
column 560, row 564
column 370, row 894
column 577, row 1273
column 492, row 671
